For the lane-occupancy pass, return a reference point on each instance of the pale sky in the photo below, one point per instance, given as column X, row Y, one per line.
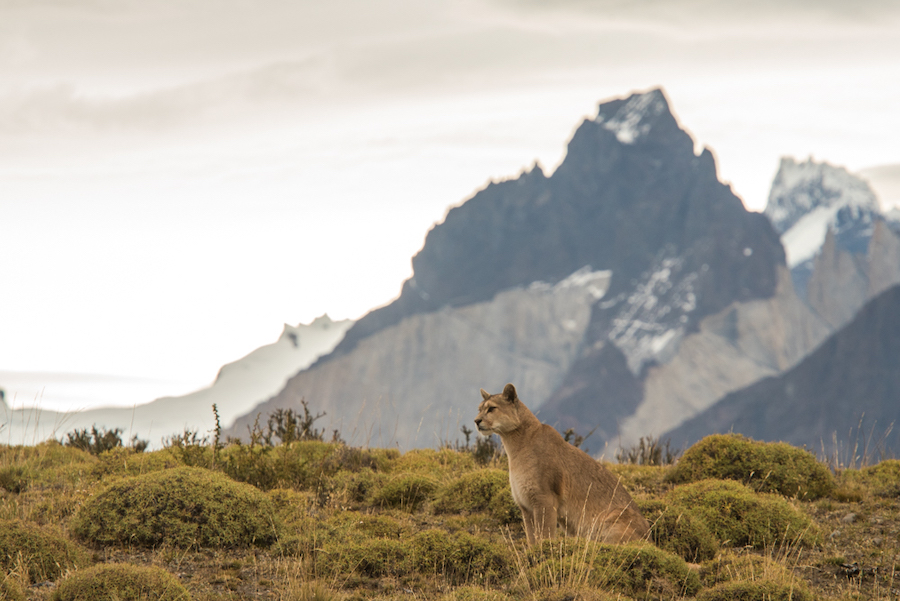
column 179, row 178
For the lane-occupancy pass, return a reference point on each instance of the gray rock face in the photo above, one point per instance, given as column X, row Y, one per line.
column 854, row 375
column 738, row 346
column 842, row 281
column 416, row 383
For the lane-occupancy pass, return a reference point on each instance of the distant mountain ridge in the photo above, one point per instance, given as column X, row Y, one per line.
column 852, row 377
column 239, row 386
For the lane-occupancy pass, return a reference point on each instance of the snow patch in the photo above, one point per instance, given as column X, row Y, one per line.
column 804, row 239
column 630, row 121
column 596, row 283
column 651, row 322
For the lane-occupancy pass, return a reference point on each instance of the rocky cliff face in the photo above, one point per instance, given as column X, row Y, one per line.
column 853, row 376
column 631, row 198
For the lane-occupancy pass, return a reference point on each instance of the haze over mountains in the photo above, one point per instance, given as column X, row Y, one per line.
column 238, row 387
column 628, row 293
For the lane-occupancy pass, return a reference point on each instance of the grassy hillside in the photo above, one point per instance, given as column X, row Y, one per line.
column 289, row 518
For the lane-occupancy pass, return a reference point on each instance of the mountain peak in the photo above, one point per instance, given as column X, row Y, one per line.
column 632, row 118
column 802, row 188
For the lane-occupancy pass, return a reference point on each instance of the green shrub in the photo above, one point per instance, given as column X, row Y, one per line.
column 121, row 582
column 45, row 553
column 636, row 570
column 184, row 507
column 757, row 590
column 775, row 467
column 882, row 479
column 306, row 465
column 354, row 487
column 48, row 464
column 438, row 464
column 457, row 558
column 485, row 490
column 737, row 516
column 405, row 491
column 97, row 441
column 678, row 531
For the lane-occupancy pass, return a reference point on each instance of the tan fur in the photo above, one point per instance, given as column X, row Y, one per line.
column 554, row 482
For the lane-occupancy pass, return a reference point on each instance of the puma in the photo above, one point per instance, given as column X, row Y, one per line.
column 555, row 483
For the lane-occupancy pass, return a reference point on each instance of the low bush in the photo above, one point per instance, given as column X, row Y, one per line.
column 121, row 582
column 457, row 558
column 679, row 531
column 443, row 463
column 774, row 467
column 185, row 507
column 96, row 441
column 485, row 490
column 44, row 553
column 637, row 570
column 738, row 516
column 48, row 464
column 881, row 480
column 405, row 491
column 755, row 590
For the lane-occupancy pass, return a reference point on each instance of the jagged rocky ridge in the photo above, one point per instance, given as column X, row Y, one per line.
column 693, row 274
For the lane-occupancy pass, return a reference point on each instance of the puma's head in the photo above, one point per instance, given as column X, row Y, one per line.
column 498, row 413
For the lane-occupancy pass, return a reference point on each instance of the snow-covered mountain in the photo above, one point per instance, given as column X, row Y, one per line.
column 810, row 198
column 842, row 250
column 239, row 386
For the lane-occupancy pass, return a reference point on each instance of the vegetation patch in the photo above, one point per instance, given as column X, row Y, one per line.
column 456, row 558
column 185, row 507
column 739, row 517
column 49, row 464
column 732, row 567
column 10, row 590
column 638, row 570
column 42, row 553
column 774, row 467
column 881, row 480
column 756, row 590
column 679, row 531
column 406, row 491
column 484, row 490
column 121, row 582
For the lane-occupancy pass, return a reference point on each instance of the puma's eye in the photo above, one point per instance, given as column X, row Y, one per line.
column 490, row 409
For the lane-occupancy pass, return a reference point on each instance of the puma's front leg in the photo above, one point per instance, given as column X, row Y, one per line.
column 542, row 518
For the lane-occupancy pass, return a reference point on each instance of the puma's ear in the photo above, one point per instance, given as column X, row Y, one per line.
column 509, row 391
column 484, row 394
